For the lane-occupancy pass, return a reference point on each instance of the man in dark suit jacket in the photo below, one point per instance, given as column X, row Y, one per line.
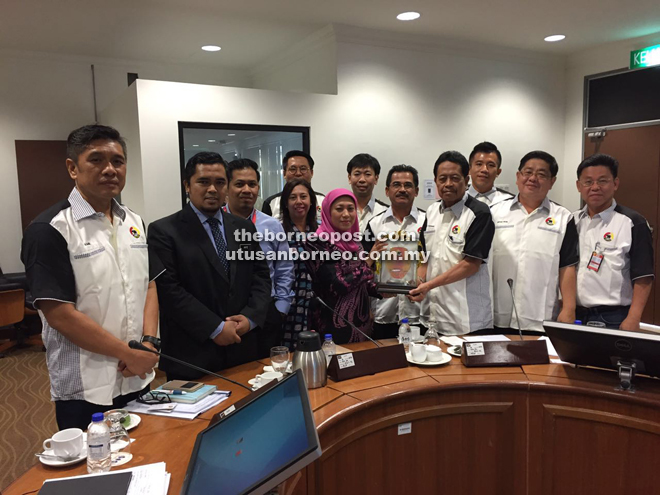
column 208, row 304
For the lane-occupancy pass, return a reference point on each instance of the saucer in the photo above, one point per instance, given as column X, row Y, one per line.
column 255, row 385
column 452, row 350
column 289, row 369
column 55, row 463
column 445, row 359
column 135, row 420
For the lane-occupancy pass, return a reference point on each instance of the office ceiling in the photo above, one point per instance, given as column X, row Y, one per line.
column 251, row 31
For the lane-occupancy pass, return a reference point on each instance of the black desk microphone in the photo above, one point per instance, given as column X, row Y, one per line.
column 134, row 344
column 513, row 300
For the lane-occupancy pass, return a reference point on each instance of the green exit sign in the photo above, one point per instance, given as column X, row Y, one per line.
column 646, row 57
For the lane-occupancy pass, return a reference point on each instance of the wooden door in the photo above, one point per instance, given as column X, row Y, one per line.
column 638, row 152
column 42, row 176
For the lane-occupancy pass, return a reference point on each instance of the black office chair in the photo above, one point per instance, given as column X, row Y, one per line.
column 16, row 313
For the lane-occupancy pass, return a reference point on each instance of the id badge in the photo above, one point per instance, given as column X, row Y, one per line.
column 596, row 259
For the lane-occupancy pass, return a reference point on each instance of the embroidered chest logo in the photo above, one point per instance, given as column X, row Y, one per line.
column 455, row 229
column 134, row 232
column 609, row 236
column 550, row 221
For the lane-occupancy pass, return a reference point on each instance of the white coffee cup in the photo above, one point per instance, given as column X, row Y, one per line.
column 268, row 376
column 65, row 443
column 417, row 352
column 414, row 333
column 433, row 353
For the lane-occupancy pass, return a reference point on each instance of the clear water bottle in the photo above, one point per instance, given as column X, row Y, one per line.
column 404, row 334
column 98, row 445
column 329, row 347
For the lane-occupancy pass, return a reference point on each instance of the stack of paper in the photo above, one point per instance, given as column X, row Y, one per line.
column 181, row 411
column 486, row 338
column 451, row 340
column 151, row 479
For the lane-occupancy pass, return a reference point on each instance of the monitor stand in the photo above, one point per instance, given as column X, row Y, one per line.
column 627, row 372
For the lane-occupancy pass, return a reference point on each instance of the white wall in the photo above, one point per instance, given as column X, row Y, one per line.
column 408, row 106
column 124, row 115
column 309, row 66
column 601, row 59
column 41, row 101
column 44, row 97
column 402, row 106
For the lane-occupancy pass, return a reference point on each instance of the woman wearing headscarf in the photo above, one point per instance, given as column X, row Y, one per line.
column 343, row 281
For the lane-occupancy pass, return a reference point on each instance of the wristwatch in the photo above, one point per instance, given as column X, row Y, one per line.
column 152, row 340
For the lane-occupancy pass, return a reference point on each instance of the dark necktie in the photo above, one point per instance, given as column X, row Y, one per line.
column 220, row 243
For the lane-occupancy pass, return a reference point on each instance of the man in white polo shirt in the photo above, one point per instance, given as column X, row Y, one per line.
column 615, row 273
column 485, row 167
column 88, row 268
column 536, row 247
column 455, row 284
column 363, row 172
column 401, row 187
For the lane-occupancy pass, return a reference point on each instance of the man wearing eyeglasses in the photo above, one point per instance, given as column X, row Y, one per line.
column 401, row 187
column 536, row 246
column 296, row 165
column 615, row 273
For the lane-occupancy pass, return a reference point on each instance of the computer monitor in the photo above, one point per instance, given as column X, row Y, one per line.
column 266, row 439
column 628, row 353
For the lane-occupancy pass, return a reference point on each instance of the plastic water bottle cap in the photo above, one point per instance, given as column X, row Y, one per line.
column 96, row 417
column 578, row 322
column 328, row 336
column 405, row 320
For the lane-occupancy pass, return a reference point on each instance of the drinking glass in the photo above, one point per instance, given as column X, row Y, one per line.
column 431, row 336
column 279, row 358
column 119, row 439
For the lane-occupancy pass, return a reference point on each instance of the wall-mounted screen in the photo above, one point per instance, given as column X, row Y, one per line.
column 626, row 98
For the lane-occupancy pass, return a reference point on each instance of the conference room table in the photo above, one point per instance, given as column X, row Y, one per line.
column 539, row 429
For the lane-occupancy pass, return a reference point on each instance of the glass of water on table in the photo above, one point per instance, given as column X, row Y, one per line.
column 279, row 358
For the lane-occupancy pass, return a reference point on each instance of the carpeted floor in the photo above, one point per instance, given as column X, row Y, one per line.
column 27, row 416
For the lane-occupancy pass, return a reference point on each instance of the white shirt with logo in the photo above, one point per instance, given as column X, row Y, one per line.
column 75, row 255
column 624, row 240
column 529, row 249
column 449, row 235
column 394, row 309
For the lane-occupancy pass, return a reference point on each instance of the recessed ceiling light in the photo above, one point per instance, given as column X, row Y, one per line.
column 408, row 16
column 231, row 135
column 211, row 140
column 554, row 37
column 211, row 48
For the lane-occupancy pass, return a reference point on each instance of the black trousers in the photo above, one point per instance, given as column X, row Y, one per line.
column 271, row 334
column 78, row 413
column 611, row 316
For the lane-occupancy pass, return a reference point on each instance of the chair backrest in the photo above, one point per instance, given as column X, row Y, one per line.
column 12, row 307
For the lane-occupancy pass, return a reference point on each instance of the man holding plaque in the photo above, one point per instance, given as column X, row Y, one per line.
column 399, row 222
column 458, row 232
